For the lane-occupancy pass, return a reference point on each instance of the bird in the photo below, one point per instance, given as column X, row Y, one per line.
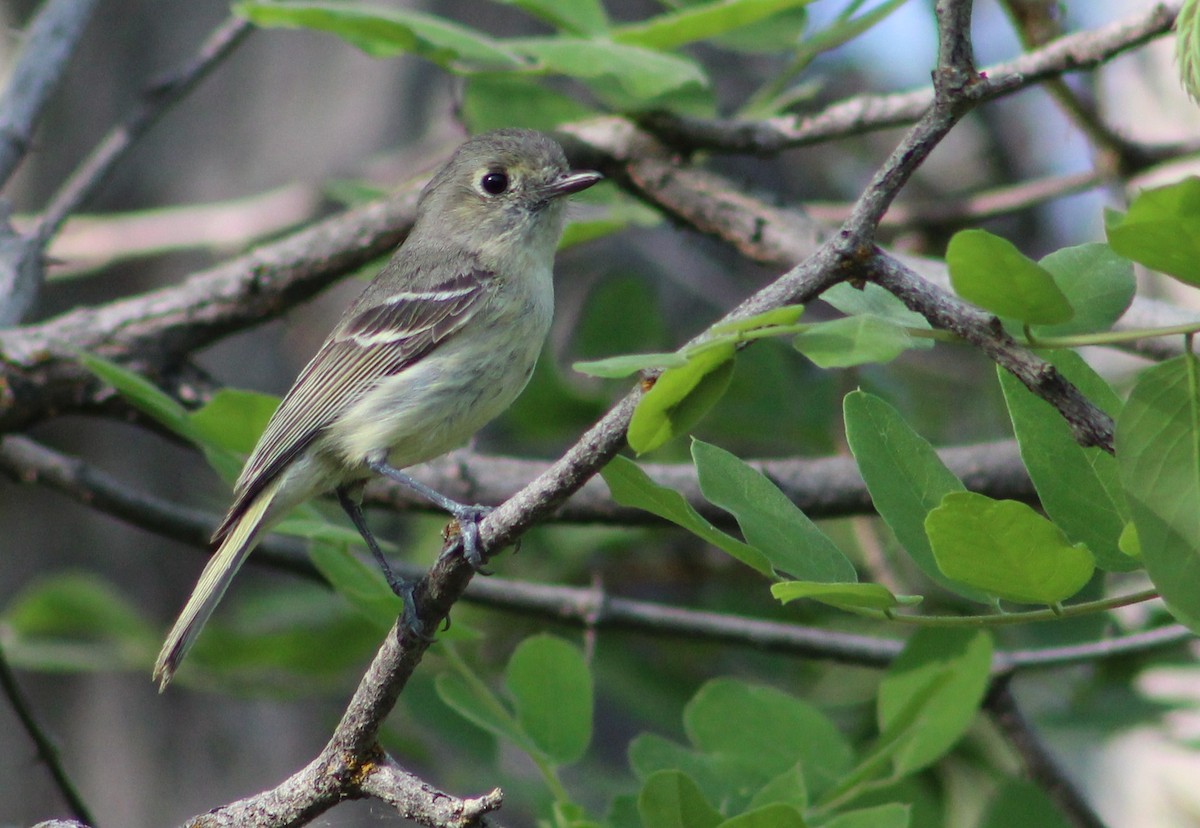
column 440, row 342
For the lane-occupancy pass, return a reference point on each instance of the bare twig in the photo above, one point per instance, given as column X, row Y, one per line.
column 46, row 749
column 155, row 330
column 822, row 487
column 88, row 243
column 972, row 208
column 866, row 113
column 1039, row 764
column 46, row 49
column 156, row 101
column 49, row 43
column 1090, row 425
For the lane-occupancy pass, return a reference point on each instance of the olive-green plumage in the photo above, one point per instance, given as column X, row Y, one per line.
column 443, row 340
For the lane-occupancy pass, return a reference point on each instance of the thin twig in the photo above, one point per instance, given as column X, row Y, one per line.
column 156, row 101
column 47, row 47
column 867, row 113
column 1039, row 764
column 46, row 749
column 26, row 461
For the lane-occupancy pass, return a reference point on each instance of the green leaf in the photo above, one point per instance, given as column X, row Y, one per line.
column 1187, row 46
column 581, row 17
column 776, row 815
column 476, row 704
column 491, row 101
column 670, row 799
column 891, row 815
column 630, row 486
column 142, row 394
column 944, row 673
column 291, row 636
column 782, row 316
column 992, row 273
column 854, row 340
column 873, row 300
column 1024, row 803
column 782, row 32
column 386, row 32
column 1097, row 282
column 1079, row 488
column 637, row 77
column 725, row 778
column 770, row 522
column 1006, row 549
column 234, row 419
column 551, row 688
column 768, row 729
column 1158, row 453
column 1161, row 230
column 75, row 606
column 680, row 397
column 905, row 477
column 700, row 21
column 362, row 585
column 623, row 366
column 787, row 788
column 843, row 596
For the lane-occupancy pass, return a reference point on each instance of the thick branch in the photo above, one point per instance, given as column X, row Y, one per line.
column 154, row 330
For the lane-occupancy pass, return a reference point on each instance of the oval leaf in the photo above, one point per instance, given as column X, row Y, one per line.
column 932, row 693
column 770, row 522
column 1079, row 488
column 1097, row 282
column 551, row 688
column 383, row 32
column 905, row 477
column 768, row 729
column 1161, row 230
column 680, row 397
column 992, row 273
column 630, row 486
column 1006, row 549
column 670, row 799
column 854, row 340
column 1158, row 453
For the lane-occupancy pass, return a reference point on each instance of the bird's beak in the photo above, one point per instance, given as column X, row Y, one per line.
column 572, row 182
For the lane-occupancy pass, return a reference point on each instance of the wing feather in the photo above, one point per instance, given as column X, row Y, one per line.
column 375, row 342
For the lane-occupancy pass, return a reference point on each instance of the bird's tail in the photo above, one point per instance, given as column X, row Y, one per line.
column 236, row 542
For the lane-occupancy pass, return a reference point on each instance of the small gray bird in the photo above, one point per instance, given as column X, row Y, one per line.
column 442, row 341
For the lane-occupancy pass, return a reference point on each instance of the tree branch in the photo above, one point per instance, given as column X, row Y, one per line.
column 156, row 101
column 47, row 46
column 867, row 113
column 1039, row 764
column 46, row 749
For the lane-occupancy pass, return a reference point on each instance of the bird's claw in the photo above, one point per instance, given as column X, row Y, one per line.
column 468, row 518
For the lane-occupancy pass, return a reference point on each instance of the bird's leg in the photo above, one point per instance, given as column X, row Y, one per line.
column 403, row 587
column 467, row 517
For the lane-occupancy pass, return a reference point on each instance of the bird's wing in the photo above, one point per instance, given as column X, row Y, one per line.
column 378, row 341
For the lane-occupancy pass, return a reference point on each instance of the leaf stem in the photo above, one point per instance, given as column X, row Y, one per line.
column 1005, row 618
column 1108, row 337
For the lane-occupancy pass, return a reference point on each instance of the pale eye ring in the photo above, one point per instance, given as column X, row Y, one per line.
column 494, row 183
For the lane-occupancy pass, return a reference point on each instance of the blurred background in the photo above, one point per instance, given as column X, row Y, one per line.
column 286, row 130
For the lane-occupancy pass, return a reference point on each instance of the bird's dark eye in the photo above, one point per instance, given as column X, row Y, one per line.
column 494, row 183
